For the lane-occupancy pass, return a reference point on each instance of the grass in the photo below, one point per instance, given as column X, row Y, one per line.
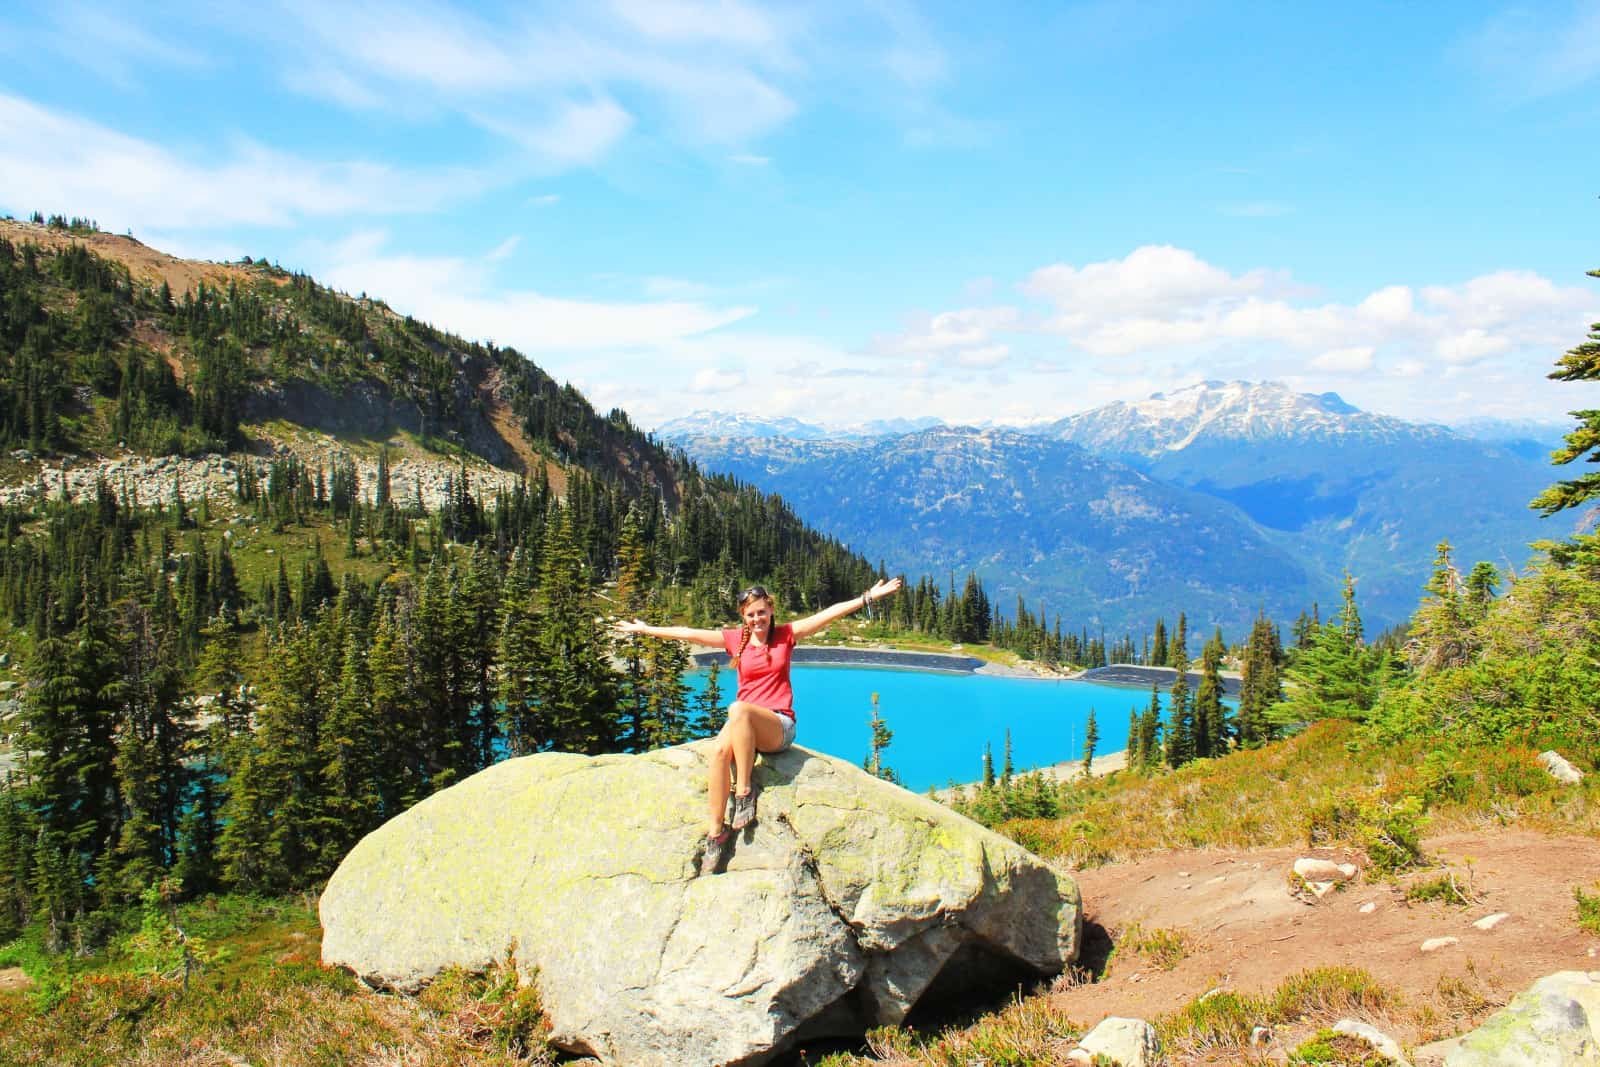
column 1588, row 907
column 1164, row 948
column 1329, row 785
column 266, row 1000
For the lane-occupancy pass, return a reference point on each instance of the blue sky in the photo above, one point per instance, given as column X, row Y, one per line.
column 843, row 212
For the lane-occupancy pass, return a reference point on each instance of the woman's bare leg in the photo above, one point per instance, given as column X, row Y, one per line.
column 755, row 728
column 717, row 782
column 749, row 727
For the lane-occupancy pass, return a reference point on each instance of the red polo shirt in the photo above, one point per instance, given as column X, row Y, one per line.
column 764, row 669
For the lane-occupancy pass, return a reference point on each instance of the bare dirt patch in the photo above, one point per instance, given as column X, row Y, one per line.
column 145, row 263
column 13, row 979
column 1245, row 932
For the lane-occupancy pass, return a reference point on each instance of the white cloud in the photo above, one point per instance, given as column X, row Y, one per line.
column 1470, row 346
column 748, row 160
column 504, row 248
column 1526, row 54
column 547, row 200
column 573, row 133
column 124, row 182
column 1348, row 360
column 716, row 380
column 1163, row 299
column 457, row 294
column 685, row 20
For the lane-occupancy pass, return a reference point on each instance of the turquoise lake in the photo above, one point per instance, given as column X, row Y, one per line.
column 942, row 721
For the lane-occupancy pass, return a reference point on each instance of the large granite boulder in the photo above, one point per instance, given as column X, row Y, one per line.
column 847, row 902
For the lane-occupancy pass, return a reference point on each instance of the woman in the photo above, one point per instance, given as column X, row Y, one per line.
column 761, row 717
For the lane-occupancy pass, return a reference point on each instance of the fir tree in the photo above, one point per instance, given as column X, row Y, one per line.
column 1210, row 725
column 880, row 739
column 1091, row 737
column 1580, row 364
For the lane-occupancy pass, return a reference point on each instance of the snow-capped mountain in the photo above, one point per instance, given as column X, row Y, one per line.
column 725, row 424
column 1301, row 486
column 733, row 424
column 1093, row 539
column 1228, row 414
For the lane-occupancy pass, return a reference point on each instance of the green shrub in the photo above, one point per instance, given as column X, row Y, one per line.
column 1588, row 909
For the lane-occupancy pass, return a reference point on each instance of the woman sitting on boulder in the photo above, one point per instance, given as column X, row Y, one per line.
column 761, row 717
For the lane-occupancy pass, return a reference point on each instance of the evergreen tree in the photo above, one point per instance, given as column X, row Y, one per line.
column 710, row 715
column 988, row 766
column 1091, row 737
column 880, row 739
column 1150, row 731
column 1210, row 725
column 1180, row 739
column 1580, row 364
column 1338, row 676
column 1440, row 634
column 572, row 685
column 1007, row 767
column 1262, row 685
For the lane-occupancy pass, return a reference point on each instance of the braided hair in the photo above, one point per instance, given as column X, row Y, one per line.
column 745, row 629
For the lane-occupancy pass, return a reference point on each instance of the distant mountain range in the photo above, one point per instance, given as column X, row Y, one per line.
column 1220, row 499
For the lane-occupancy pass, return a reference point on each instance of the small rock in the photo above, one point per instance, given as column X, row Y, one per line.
column 1368, row 908
column 1433, row 944
column 1128, row 1042
column 1489, row 922
column 1317, row 870
column 1385, row 1045
column 1183, row 874
column 1559, row 768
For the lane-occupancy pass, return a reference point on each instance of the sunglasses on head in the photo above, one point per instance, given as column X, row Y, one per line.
column 753, row 591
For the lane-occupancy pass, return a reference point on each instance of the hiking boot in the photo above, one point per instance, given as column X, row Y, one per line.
column 716, row 850
column 744, row 809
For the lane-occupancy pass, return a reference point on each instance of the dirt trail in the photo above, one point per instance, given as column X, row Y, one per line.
column 1247, row 933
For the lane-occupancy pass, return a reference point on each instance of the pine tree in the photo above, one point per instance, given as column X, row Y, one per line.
column 880, row 739
column 1007, row 767
column 1180, row 740
column 1580, row 364
column 1262, row 685
column 572, row 685
column 988, row 766
column 1091, row 737
column 1150, row 731
column 1210, row 725
column 1440, row 634
column 710, row 714
column 1337, row 676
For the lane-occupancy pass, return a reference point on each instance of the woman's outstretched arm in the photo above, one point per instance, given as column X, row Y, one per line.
column 709, row 638
column 812, row 623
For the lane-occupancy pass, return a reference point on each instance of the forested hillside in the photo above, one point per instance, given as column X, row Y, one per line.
column 228, row 689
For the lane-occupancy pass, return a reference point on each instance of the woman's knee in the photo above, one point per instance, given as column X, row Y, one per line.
column 739, row 712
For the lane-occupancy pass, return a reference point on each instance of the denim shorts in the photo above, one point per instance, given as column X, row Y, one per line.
column 788, row 731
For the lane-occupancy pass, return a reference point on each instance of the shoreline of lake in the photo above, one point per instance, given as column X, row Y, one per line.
column 887, row 658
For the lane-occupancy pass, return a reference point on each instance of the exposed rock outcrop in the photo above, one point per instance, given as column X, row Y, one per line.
column 848, row 901
column 1555, row 1023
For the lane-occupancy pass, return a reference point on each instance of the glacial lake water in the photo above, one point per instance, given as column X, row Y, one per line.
column 942, row 721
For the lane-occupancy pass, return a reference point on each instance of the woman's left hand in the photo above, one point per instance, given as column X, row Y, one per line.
column 885, row 587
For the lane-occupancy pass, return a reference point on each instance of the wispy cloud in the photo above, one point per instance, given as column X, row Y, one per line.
column 1528, row 53
column 124, row 181
column 461, row 295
